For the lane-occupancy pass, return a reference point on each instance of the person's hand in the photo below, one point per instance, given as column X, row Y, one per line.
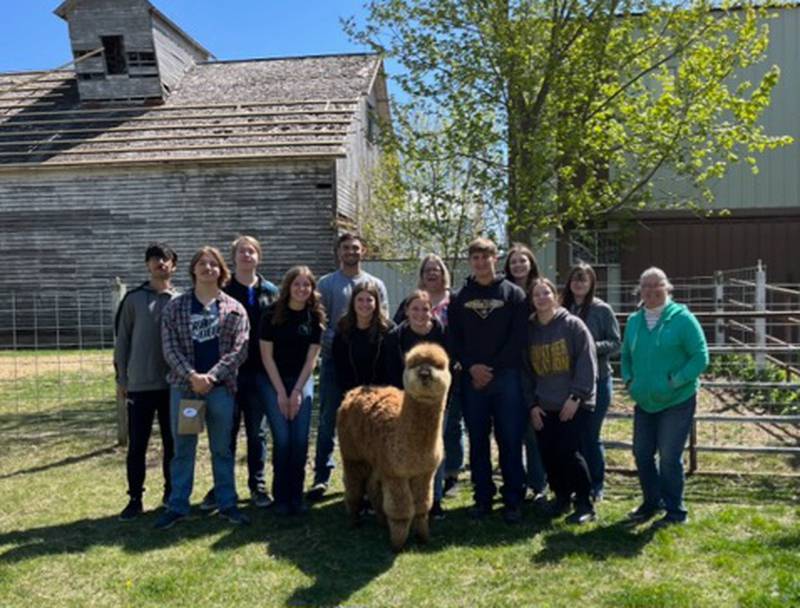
column 122, row 392
column 295, row 400
column 481, row 375
column 201, row 383
column 568, row 410
column 283, row 404
column 537, row 418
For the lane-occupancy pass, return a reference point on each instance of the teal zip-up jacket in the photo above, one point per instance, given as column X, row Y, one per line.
column 661, row 367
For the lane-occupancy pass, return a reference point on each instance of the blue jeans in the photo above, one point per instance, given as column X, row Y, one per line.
column 453, row 436
column 219, row 423
column 251, row 404
column 499, row 405
column 591, row 443
column 330, row 398
column 290, row 445
column 535, row 477
column 665, row 433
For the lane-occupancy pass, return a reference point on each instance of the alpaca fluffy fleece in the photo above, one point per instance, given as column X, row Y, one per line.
column 391, row 444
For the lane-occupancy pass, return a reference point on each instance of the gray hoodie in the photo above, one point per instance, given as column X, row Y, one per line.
column 602, row 322
column 138, row 357
column 560, row 361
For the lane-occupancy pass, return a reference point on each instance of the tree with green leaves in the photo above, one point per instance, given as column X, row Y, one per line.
column 572, row 108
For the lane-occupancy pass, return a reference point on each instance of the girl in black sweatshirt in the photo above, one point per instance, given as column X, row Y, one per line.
column 359, row 353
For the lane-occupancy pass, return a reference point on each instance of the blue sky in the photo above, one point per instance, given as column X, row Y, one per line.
column 33, row 38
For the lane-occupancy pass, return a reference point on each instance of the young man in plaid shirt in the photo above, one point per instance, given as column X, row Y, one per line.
column 205, row 336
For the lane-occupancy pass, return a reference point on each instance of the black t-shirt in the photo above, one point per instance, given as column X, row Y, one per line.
column 291, row 339
column 358, row 359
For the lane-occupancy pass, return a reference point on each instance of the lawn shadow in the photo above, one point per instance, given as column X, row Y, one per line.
column 341, row 560
column 618, row 539
column 105, row 451
column 133, row 537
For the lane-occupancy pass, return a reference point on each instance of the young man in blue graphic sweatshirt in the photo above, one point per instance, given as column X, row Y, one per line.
column 488, row 321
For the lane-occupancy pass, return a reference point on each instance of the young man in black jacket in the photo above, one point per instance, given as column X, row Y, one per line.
column 488, row 322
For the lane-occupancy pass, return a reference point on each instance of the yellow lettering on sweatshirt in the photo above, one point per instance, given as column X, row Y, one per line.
column 550, row 359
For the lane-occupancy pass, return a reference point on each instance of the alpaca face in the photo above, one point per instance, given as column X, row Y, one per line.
column 427, row 375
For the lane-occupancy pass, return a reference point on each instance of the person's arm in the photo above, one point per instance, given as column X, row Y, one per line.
column 584, row 374
column 455, row 332
column 608, row 342
column 171, row 342
column 122, row 347
column 626, row 358
column 517, row 332
column 384, row 297
column 694, row 343
column 296, row 396
column 268, row 361
column 341, row 363
column 229, row 362
column 393, row 358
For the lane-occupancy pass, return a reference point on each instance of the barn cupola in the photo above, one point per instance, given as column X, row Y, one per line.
column 127, row 50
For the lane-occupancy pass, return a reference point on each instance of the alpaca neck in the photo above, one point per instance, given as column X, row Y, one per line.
column 423, row 418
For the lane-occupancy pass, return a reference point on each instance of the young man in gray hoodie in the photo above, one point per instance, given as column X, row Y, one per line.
column 142, row 372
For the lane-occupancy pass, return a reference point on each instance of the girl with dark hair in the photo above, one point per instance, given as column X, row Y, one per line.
column 561, row 373
column 420, row 325
column 578, row 298
column 359, row 355
column 522, row 268
column 291, row 331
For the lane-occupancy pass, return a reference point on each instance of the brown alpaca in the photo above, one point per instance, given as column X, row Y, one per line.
column 391, row 444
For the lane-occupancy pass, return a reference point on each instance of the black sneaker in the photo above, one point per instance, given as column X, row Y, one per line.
column 479, row 511
column 260, row 499
column 450, row 487
column 436, row 511
column 168, row 519
column 642, row 513
column 582, row 516
column 234, row 516
column 209, row 501
column 670, row 520
column 317, row 491
column 538, row 499
column 512, row 515
column 557, row 508
column 132, row 510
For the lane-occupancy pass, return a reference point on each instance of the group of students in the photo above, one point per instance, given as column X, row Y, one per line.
column 530, row 365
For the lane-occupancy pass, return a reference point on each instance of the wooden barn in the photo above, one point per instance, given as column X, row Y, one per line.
column 151, row 138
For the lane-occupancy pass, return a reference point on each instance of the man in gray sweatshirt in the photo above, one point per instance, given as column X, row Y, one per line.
column 141, row 370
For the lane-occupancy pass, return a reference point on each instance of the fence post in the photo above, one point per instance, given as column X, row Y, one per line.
column 118, row 290
column 761, row 323
column 719, row 306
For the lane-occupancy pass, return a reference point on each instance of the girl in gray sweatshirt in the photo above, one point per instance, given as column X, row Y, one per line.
column 560, row 382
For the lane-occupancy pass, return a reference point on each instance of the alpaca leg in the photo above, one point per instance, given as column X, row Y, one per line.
column 375, row 496
column 422, row 492
column 355, row 475
column 399, row 507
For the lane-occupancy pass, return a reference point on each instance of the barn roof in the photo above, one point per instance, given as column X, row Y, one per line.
column 222, row 110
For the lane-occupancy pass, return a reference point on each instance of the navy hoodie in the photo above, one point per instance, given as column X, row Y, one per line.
column 488, row 324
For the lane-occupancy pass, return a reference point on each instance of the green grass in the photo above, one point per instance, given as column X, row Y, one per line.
column 62, row 484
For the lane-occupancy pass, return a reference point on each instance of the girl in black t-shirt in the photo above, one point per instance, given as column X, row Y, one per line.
column 290, row 341
column 359, row 354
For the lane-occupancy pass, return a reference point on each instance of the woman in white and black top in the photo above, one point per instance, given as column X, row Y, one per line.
column 290, row 342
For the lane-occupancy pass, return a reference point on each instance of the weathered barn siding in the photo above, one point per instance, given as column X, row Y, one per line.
column 59, row 227
column 174, row 54
column 355, row 173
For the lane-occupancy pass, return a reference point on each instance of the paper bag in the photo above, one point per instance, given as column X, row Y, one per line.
column 191, row 416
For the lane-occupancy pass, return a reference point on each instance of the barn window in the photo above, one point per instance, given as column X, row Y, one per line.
column 114, row 52
column 141, row 59
column 91, row 76
column 372, row 124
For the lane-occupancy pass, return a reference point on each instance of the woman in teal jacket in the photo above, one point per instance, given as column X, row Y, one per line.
column 663, row 354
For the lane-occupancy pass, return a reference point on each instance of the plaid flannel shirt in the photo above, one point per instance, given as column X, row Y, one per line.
column 176, row 336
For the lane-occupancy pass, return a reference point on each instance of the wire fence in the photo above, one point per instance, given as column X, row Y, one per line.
column 56, row 368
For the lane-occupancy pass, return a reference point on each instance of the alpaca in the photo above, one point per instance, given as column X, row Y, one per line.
column 391, row 444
